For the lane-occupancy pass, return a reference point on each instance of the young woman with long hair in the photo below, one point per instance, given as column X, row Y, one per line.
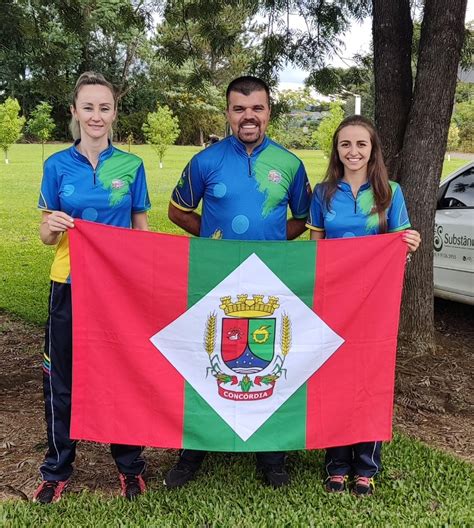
column 356, row 198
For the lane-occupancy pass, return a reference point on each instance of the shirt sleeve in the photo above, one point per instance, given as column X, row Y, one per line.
column 190, row 188
column 49, row 191
column 300, row 194
column 397, row 217
column 316, row 211
column 139, row 190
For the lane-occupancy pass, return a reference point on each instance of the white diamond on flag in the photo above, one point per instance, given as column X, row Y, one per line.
column 245, row 356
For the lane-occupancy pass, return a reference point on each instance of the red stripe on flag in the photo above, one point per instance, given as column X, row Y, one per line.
column 119, row 292
column 357, row 293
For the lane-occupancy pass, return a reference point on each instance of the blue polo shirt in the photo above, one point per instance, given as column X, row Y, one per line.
column 108, row 194
column 244, row 197
column 349, row 216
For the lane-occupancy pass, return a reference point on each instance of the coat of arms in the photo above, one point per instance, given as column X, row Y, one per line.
column 247, row 367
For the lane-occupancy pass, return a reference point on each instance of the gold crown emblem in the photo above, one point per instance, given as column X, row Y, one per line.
column 245, row 307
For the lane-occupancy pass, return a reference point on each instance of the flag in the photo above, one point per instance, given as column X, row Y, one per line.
column 226, row 345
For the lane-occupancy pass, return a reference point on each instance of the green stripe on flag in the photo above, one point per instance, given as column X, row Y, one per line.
column 211, row 262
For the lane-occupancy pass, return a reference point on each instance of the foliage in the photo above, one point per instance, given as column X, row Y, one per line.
column 200, row 112
column 41, row 124
column 325, row 24
column 327, row 127
column 44, row 46
column 291, row 132
column 295, row 116
column 453, row 137
column 467, row 52
column 212, row 40
column 199, row 48
column 464, row 92
column 11, row 124
column 464, row 118
column 161, row 130
column 300, row 99
column 345, row 82
column 131, row 124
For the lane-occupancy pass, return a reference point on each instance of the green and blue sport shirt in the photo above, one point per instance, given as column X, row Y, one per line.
column 108, row 194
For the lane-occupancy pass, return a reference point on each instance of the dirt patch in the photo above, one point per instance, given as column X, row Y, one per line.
column 434, row 393
column 434, row 402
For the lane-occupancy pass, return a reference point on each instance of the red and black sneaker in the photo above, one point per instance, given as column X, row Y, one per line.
column 363, row 486
column 49, row 491
column 132, row 486
column 336, row 483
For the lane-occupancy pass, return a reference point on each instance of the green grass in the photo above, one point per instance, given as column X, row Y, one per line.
column 452, row 165
column 419, row 487
column 25, row 261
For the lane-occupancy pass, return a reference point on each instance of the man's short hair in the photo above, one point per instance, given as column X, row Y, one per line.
column 246, row 85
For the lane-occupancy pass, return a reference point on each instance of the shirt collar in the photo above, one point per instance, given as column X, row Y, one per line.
column 105, row 154
column 344, row 186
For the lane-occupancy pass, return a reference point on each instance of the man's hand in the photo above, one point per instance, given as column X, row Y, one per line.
column 187, row 220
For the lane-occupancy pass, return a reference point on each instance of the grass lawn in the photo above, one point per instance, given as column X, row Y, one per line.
column 25, row 261
column 419, row 486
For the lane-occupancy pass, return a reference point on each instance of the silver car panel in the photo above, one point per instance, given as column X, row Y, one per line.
column 454, row 237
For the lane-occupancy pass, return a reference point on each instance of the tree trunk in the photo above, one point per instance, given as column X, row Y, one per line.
column 424, row 145
column 392, row 31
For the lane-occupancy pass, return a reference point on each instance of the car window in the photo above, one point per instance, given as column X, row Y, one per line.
column 459, row 191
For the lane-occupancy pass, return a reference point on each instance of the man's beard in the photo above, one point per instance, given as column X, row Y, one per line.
column 255, row 135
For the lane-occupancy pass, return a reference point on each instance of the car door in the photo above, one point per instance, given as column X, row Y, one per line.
column 454, row 238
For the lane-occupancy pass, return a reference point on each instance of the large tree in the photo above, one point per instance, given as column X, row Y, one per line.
column 413, row 118
column 412, row 112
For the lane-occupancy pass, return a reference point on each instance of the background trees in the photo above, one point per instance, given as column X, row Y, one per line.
column 161, row 130
column 323, row 135
column 182, row 53
column 41, row 124
column 11, row 124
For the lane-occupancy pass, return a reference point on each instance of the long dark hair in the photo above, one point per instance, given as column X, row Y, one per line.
column 376, row 171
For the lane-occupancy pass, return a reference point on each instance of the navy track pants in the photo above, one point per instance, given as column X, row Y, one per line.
column 364, row 459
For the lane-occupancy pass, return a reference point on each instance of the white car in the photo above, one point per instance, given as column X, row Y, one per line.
column 454, row 237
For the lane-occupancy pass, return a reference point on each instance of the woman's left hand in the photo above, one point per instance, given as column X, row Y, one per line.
column 412, row 239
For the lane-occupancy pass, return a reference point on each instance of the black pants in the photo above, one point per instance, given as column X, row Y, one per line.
column 195, row 458
column 57, row 383
column 362, row 459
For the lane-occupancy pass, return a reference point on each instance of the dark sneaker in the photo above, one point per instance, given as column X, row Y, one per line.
column 49, row 491
column 336, row 483
column 363, row 486
column 179, row 475
column 275, row 476
column 132, row 486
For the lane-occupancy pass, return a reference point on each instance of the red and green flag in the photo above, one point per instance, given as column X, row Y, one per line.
column 233, row 345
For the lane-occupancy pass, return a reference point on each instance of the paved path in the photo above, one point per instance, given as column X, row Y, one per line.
column 462, row 155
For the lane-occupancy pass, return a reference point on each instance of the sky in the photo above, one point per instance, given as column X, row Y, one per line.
column 358, row 40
